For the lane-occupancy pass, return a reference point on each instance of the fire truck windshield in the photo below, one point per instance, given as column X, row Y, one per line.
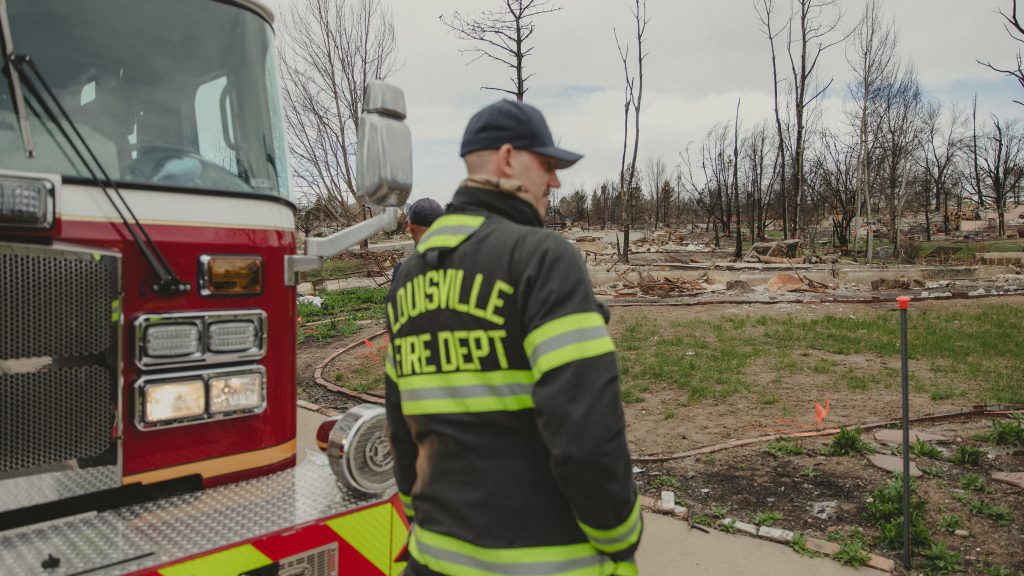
column 177, row 95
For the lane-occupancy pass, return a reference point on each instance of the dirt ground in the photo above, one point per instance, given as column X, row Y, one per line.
column 741, row 482
column 746, row 415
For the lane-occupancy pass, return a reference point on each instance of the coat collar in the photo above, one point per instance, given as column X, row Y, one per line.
column 495, row 197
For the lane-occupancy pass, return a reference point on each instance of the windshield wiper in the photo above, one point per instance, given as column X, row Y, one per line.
column 168, row 282
column 7, row 43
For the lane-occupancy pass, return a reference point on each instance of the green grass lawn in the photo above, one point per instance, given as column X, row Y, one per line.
column 978, row 352
column 341, row 310
column 968, row 250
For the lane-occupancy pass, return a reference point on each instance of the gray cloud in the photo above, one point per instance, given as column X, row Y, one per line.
column 702, row 57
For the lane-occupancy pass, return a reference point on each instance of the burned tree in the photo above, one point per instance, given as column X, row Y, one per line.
column 656, row 171
column 574, row 207
column 764, row 10
column 811, row 31
column 835, row 171
column 1015, row 29
column 943, row 144
column 1002, row 164
column 872, row 58
column 900, row 141
column 333, row 49
column 634, row 93
column 502, row 35
column 763, row 167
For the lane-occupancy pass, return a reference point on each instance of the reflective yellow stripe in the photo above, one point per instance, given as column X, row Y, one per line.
column 625, row 568
column 231, row 561
column 407, row 505
column 466, row 392
column 389, row 364
column 377, row 533
column 449, row 231
column 567, row 339
column 619, row 538
column 451, row 556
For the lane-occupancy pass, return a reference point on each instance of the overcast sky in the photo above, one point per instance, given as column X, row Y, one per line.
column 702, row 57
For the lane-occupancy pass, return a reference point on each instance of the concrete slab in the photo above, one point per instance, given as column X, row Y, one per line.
column 893, row 464
column 1012, row 478
column 896, row 437
column 1000, row 258
column 670, row 547
column 776, row 534
column 740, row 526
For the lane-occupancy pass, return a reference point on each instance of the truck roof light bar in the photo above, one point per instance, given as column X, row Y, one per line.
column 168, row 282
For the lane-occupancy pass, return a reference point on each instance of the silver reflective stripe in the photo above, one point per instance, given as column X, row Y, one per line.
column 517, row 569
column 472, row 391
column 567, row 339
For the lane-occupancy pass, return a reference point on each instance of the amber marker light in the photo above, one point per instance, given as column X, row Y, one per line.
column 230, row 275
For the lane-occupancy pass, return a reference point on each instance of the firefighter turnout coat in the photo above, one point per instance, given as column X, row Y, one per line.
column 503, row 401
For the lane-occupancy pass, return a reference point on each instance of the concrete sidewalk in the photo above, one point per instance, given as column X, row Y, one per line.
column 670, row 547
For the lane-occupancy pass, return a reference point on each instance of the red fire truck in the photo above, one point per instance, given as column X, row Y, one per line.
column 147, row 303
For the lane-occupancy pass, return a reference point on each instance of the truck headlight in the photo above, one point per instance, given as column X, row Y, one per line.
column 173, row 400
column 181, row 339
column 172, row 340
column 234, row 392
column 200, row 396
column 26, row 203
column 233, row 336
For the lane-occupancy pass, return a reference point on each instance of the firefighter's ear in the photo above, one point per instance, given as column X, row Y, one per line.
column 503, row 161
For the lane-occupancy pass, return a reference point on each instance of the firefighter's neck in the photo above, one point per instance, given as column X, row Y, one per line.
column 506, row 185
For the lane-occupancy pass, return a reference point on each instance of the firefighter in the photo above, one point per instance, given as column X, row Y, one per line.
column 422, row 214
column 502, row 382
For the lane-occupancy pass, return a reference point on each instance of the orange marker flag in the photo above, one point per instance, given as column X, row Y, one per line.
column 819, row 412
column 367, row 342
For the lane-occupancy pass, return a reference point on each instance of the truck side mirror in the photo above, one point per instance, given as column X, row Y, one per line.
column 384, row 150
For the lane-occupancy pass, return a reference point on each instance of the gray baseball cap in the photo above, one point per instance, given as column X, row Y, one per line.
column 516, row 123
column 424, row 211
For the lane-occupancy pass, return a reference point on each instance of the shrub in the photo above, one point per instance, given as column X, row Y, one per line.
column 934, row 471
column 941, row 560
column 885, row 510
column 968, row 455
column 1005, row 433
column 923, row 449
column 664, row 482
column 847, row 442
column 951, row 523
column 767, row 518
column 799, row 545
column 851, row 551
column 784, row 446
column 971, row 482
column 1002, row 515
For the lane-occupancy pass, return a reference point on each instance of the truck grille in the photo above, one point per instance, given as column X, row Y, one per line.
column 322, row 561
column 59, row 354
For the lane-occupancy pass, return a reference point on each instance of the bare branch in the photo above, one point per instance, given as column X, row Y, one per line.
column 502, row 35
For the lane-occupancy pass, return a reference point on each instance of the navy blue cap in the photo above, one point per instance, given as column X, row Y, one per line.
column 424, row 211
column 515, row 123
